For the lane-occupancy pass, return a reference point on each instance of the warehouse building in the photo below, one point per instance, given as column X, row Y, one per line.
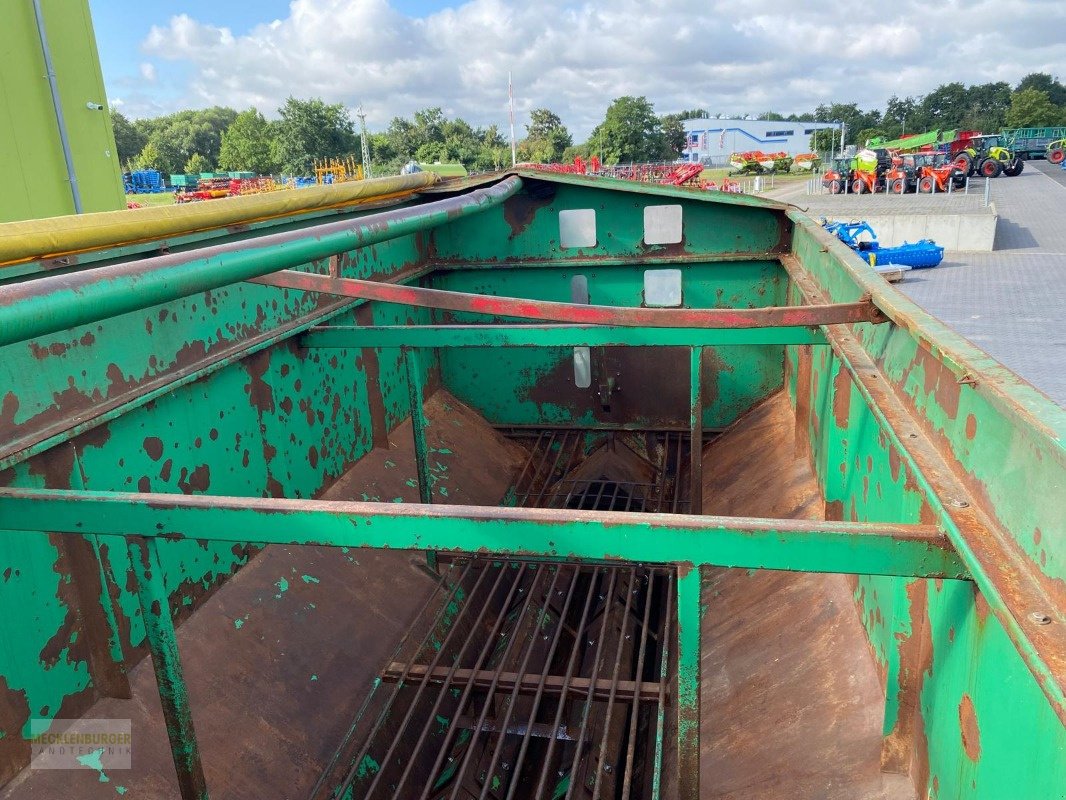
column 713, row 140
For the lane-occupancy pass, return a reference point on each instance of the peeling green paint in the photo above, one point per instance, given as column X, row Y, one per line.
column 93, row 761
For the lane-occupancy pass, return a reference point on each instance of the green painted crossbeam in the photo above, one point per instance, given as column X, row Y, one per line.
column 552, row 336
column 847, row 547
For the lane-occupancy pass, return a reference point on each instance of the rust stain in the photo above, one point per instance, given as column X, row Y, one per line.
column 971, row 734
column 260, row 393
column 199, row 480
column 939, row 382
column 980, row 605
column 153, row 446
column 14, row 713
column 842, row 398
column 971, row 426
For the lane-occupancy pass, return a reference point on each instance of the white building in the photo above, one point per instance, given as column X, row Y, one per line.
column 712, row 141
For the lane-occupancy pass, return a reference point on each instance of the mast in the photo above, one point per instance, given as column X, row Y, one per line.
column 364, row 143
column 510, row 99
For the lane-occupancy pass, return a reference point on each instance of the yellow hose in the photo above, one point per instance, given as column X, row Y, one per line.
column 57, row 236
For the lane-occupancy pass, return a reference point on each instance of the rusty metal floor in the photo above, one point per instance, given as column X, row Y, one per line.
column 279, row 659
column 792, row 700
column 521, row 680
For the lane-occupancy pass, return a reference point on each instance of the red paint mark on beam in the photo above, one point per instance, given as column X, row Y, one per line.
column 778, row 316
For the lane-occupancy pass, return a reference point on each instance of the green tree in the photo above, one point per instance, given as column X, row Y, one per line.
column 129, row 141
column 196, row 164
column 310, row 129
column 248, row 144
column 177, row 137
column 986, row 107
column 1043, row 82
column 672, row 136
column 851, row 115
column 944, row 106
column 1032, row 108
column 866, row 134
column 902, row 115
column 630, row 132
column 148, row 158
column 546, row 137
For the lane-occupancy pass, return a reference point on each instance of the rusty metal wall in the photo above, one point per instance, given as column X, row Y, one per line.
column 947, row 663
column 206, row 394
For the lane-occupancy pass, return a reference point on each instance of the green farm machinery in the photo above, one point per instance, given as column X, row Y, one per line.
column 523, row 485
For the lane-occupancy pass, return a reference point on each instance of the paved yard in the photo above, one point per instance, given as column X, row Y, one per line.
column 1010, row 302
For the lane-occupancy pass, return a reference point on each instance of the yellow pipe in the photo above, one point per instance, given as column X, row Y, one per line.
column 58, row 236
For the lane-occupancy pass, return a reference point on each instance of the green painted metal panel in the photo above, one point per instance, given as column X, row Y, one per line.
column 650, row 538
column 1007, row 439
column 31, row 160
column 274, row 420
column 522, row 387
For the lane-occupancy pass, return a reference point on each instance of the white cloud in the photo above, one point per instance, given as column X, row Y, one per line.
column 148, row 71
column 575, row 58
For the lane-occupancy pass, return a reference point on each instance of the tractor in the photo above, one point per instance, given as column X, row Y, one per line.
column 977, row 154
column 1056, row 151
column 901, row 176
column 937, row 173
column 837, row 175
column 868, row 176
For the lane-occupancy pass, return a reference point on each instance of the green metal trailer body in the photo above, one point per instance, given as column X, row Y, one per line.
column 1031, row 142
column 181, row 422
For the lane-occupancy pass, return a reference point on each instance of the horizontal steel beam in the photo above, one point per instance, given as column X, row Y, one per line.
column 551, row 336
column 524, row 308
column 848, row 547
column 38, row 307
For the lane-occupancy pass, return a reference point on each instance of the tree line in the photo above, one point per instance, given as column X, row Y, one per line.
column 222, row 138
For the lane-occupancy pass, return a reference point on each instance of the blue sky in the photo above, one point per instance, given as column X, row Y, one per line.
column 394, row 57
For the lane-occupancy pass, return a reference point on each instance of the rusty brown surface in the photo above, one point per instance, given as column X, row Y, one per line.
column 634, row 369
column 495, row 305
column 905, row 750
column 791, row 697
column 1013, row 582
column 971, row 733
column 278, row 659
column 481, row 463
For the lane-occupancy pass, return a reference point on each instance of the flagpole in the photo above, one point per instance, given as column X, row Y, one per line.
column 510, row 98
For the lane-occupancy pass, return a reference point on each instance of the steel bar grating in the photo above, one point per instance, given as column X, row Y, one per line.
column 546, row 479
column 523, row 679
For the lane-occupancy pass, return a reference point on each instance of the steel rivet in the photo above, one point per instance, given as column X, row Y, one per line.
column 1040, row 618
column 959, row 503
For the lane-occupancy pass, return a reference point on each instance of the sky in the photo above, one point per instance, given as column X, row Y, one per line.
column 393, row 57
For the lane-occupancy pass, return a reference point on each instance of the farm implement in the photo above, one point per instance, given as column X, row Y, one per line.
column 754, row 162
column 861, row 238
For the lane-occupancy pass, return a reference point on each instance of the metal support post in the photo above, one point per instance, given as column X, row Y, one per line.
column 163, row 645
column 689, row 614
column 696, row 430
column 416, row 394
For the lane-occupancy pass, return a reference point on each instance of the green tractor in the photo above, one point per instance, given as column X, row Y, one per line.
column 1056, row 151
column 978, row 154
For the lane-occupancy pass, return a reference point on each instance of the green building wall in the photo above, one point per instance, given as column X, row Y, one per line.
column 34, row 173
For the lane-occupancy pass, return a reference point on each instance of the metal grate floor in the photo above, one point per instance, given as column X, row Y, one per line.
column 524, row 680
column 549, row 479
